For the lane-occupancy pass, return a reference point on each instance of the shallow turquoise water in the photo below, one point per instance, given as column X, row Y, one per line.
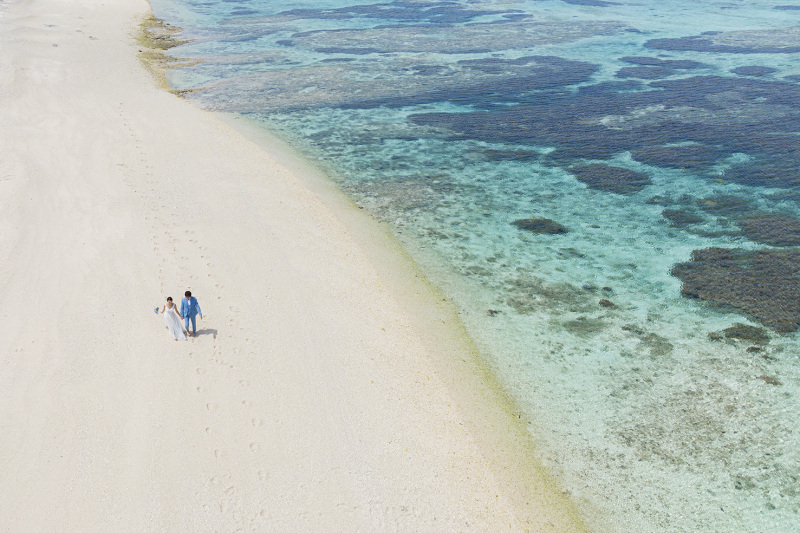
column 452, row 120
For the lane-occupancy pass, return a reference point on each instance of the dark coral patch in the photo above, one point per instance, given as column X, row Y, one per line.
column 753, row 70
column 680, row 64
column 681, row 218
column 644, row 73
column 611, row 179
column 356, row 51
column 737, row 42
column 743, row 332
column 779, row 170
column 690, row 157
column 775, row 230
column 764, row 284
column 401, row 11
column 540, row 225
column 726, row 205
column 707, row 117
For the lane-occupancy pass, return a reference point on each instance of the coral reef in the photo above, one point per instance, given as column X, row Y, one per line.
column 775, row 230
column 607, row 178
column 764, row 284
column 540, row 225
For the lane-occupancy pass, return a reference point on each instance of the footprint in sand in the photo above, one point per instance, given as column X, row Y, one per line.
column 257, row 422
column 243, row 382
column 263, row 476
column 200, row 370
column 253, row 447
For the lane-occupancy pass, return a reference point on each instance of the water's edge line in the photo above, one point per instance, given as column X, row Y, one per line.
column 498, row 426
column 480, row 394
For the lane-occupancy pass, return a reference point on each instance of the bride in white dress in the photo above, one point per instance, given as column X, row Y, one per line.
column 173, row 320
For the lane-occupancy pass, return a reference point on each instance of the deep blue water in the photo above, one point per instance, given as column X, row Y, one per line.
column 608, row 190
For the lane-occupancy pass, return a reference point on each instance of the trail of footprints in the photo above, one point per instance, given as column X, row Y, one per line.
column 167, row 237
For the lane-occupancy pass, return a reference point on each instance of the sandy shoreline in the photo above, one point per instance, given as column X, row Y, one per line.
column 330, row 388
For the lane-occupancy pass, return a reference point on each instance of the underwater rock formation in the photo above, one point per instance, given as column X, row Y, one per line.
column 764, row 284
column 744, row 332
column 681, row 218
column 644, row 73
column 775, row 230
column 739, row 42
column 540, row 225
column 689, row 123
column 436, row 12
column 697, row 157
column 753, row 70
column 726, row 205
column 682, row 64
column 611, row 179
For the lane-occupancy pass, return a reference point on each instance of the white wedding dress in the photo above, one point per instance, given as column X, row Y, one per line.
column 174, row 323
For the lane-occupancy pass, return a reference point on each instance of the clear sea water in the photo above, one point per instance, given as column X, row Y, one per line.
column 452, row 120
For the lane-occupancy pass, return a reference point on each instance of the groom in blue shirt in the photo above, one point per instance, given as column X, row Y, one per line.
column 189, row 310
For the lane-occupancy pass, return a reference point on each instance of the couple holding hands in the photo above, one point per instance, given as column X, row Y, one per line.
column 188, row 311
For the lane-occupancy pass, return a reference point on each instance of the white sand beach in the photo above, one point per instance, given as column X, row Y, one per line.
column 330, row 387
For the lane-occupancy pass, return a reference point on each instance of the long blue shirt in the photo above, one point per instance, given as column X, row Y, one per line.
column 190, row 307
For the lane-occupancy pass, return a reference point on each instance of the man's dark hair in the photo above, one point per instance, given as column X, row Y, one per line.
column 188, row 294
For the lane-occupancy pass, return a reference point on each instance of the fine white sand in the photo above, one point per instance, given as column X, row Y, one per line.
column 330, row 387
